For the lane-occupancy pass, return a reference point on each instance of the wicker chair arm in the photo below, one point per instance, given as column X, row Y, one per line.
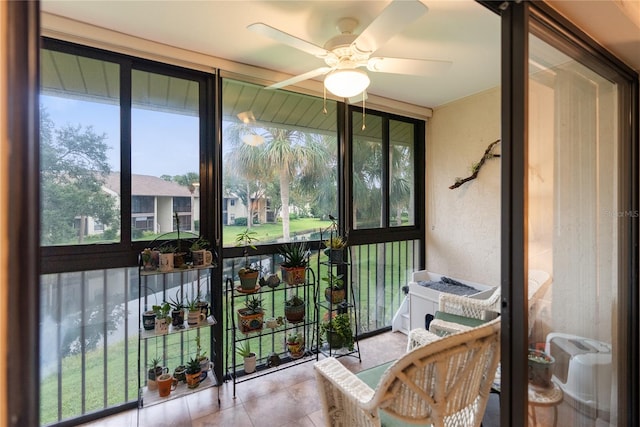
column 469, row 307
column 418, row 337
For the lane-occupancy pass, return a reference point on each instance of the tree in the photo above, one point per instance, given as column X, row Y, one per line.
column 74, row 168
column 285, row 154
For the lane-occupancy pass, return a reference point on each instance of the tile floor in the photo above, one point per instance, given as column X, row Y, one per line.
column 286, row 399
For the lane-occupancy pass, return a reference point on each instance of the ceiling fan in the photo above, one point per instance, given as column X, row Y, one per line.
column 345, row 54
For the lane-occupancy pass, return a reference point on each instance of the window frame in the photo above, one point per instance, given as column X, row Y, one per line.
column 388, row 233
column 63, row 258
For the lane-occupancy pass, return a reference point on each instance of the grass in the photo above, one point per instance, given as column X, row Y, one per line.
column 270, row 233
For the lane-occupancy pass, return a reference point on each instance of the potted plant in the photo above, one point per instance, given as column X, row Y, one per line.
column 166, row 258
column 337, row 331
column 294, row 264
column 540, row 368
column 334, row 292
column 295, row 344
column 294, row 309
column 248, row 275
column 335, row 248
column 194, row 315
column 162, row 317
column 155, row 370
column 201, row 356
column 243, row 350
column 193, row 373
column 177, row 311
column 180, row 373
column 166, row 384
column 149, row 320
column 149, row 259
column 200, row 255
column 251, row 316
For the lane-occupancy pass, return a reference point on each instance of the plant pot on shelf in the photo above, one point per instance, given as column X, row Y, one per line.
column 334, row 296
column 179, row 259
column 334, row 339
column 161, row 325
column 166, row 262
column 195, row 317
column 249, row 320
column 249, row 363
column 177, row 318
column 294, row 309
column 180, row 373
column 149, row 320
column 193, row 374
column 293, row 275
column 336, row 256
column 248, row 279
column 295, row 345
column 166, row 384
column 152, row 375
column 205, row 364
column 540, row 369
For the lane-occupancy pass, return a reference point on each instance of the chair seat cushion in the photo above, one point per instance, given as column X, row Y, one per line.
column 371, row 377
column 462, row 320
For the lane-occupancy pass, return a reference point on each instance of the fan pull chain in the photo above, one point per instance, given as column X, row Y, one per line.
column 324, row 99
column 364, row 113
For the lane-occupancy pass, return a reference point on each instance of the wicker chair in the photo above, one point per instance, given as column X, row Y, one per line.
column 439, row 381
column 456, row 313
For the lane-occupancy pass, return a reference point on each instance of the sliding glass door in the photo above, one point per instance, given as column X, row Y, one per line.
column 578, row 214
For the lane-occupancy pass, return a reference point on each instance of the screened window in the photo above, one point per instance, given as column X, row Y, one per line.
column 79, row 149
column 384, row 165
column 279, row 163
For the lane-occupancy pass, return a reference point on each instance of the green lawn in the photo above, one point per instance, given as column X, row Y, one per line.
column 269, row 233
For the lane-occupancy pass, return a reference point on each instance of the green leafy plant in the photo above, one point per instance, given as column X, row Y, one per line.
column 335, row 242
column 294, row 301
column 193, row 366
column 243, row 349
column 294, row 254
column 191, row 303
column 295, row 338
column 341, row 326
column 199, row 244
column 253, row 305
column 166, row 249
column 176, row 303
column 155, row 363
column 200, row 355
column 335, row 282
column 162, row 310
column 246, row 239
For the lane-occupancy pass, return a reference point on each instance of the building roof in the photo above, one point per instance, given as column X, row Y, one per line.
column 147, row 185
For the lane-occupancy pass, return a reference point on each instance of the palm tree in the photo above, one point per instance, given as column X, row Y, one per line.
column 287, row 154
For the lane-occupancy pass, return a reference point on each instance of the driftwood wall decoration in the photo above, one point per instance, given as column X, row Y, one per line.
column 475, row 168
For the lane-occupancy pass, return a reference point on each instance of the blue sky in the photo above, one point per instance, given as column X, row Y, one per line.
column 162, row 143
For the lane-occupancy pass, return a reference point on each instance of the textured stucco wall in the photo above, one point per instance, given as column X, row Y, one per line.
column 463, row 224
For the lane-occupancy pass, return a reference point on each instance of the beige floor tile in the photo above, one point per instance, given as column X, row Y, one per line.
column 230, row 417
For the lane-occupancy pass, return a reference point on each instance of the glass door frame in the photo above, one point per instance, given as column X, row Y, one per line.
column 518, row 19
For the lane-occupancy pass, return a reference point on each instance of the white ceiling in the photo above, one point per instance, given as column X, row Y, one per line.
column 460, row 31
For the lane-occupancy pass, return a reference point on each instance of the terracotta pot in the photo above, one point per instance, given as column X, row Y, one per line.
column 294, row 314
column 193, row 380
column 334, row 296
column 293, row 275
column 249, row 321
column 248, row 280
column 166, row 384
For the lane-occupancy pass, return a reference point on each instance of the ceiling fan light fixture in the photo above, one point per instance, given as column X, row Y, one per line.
column 346, row 83
column 252, row 139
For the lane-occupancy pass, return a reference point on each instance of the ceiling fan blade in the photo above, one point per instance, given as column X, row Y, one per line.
column 285, row 38
column 419, row 67
column 393, row 19
column 308, row 75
